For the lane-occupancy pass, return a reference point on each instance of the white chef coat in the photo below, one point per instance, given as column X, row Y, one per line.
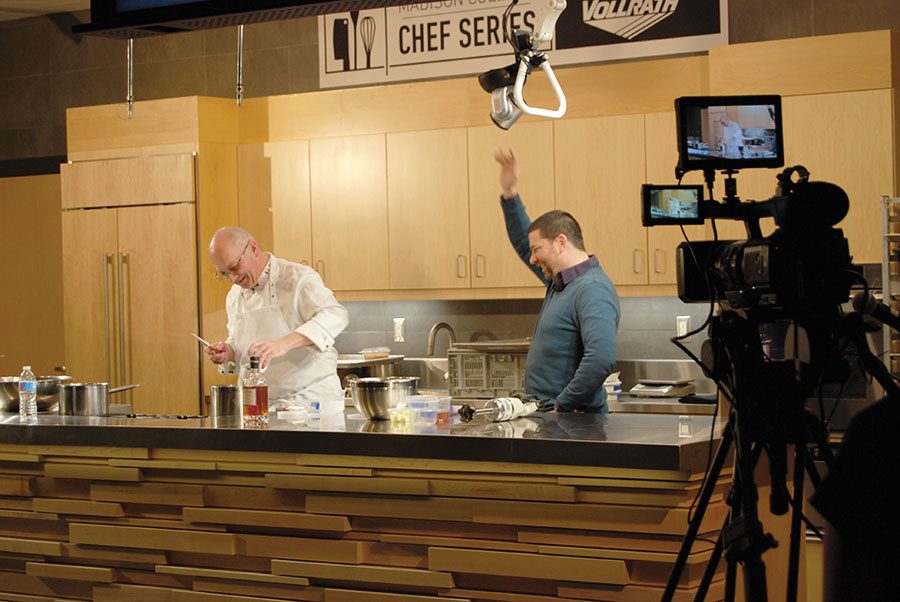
column 289, row 297
column 732, row 139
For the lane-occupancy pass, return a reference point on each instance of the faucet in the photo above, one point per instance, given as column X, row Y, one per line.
column 433, row 332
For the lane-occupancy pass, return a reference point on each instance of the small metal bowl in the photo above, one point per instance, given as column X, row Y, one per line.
column 47, row 392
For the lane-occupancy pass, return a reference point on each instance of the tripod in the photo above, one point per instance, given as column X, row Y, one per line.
column 767, row 414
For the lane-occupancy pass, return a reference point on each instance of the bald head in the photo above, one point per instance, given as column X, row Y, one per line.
column 236, row 256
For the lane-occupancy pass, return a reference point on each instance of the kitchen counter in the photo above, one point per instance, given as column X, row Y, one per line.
column 659, row 405
column 626, row 440
column 571, row 506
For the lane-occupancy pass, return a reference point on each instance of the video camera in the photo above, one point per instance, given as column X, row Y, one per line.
column 799, row 269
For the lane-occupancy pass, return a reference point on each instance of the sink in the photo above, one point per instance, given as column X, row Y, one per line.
column 432, row 371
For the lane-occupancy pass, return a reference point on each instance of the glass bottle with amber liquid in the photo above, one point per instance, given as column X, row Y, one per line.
column 255, row 396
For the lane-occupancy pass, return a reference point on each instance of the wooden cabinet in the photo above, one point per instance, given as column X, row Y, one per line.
column 600, row 166
column 130, row 278
column 348, row 191
column 662, row 155
column 851, row 148
column 128, row 181
column 428, row 209
column 493, row 261
column 130, row 281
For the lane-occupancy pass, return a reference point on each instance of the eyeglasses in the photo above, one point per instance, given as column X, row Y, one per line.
column 234, row 268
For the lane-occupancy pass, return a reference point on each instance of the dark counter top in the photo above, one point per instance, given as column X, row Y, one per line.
column 664, row 442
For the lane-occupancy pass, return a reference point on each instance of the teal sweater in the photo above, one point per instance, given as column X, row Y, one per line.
column 573, row 348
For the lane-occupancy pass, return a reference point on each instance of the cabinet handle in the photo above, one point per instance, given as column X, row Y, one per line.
column 659, row 265
column 322, row 269
column 461, row 270
column 480, row 265
column 123, row 259
column 107, row 263
column 638, row 266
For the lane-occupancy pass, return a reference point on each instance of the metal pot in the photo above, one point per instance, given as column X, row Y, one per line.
column 225, row 405
column 375, row 397
column 47, row 392
column 87, row 399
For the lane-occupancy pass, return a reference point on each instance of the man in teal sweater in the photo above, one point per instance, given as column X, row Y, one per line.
column 573, row 348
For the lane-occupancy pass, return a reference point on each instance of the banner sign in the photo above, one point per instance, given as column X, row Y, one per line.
column 430, row 40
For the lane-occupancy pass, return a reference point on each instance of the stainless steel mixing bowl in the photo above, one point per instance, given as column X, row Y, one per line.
column 47, row 392
column 375, row 397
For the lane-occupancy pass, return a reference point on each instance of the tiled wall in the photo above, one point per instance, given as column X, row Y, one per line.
column 46, row 68
column 646, row 325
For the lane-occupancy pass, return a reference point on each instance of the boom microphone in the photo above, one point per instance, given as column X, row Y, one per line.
column 865, row 303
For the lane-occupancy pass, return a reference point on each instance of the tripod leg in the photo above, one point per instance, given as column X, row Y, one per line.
column 702, row 503
column 711, row 567
column 800, row 456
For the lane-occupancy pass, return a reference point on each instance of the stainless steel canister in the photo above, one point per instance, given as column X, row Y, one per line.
column 225, row 405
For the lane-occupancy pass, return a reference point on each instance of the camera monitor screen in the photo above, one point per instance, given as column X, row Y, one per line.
column 675, row 204
column 729, row 132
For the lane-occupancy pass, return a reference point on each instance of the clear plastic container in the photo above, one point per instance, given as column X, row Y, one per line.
column 423, row 409
column 443, row 410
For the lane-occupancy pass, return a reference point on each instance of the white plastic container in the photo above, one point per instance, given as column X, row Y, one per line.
column 613, row 387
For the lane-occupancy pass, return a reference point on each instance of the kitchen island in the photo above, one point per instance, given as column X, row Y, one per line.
column 547, row 507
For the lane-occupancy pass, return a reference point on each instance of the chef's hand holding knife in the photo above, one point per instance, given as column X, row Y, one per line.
column 220, row 352
column 269, row 350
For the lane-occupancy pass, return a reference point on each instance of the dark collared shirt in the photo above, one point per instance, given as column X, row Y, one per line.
column 567, row 275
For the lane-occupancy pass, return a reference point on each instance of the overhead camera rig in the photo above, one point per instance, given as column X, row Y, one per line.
column 506, row 83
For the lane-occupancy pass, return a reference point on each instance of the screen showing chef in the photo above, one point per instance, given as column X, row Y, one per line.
column 675, row 203
column 732, row 132
column 672, row 204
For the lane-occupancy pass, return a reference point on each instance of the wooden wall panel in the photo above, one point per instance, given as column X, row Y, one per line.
column 31, row 248
column 815, row 65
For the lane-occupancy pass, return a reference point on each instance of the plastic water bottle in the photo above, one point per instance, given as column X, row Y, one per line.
column 27, row 394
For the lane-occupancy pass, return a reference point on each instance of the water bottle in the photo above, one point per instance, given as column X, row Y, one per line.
column 27, row 394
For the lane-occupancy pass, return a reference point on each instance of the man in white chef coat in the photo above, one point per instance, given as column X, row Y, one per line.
column 732, row 138
column 283, row 313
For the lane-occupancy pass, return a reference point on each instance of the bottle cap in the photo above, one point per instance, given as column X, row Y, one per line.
column 254, row 362
column 26, row 368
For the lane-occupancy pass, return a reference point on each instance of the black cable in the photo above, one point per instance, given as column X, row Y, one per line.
column 506, row 14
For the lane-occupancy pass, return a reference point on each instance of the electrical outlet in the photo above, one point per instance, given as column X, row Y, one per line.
column 682, row 327
column 399, row 330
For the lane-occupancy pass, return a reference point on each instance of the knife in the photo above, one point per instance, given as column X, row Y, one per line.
column 204, row 341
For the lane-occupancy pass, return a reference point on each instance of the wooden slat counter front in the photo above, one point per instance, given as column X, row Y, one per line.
column 549, row 507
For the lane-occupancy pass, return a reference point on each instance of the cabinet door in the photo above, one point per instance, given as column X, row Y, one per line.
column 89, row 252
column 848, row 139
column 158, row 250
column 142, row 180
column 599, row 172
column 349, row 212
column 494, row 262
column 662, row 155
column 289, row 173
column 428, row 209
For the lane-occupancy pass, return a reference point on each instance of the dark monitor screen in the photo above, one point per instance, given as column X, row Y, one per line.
column 729, row 132
column 129, row 5
column 672, row 204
